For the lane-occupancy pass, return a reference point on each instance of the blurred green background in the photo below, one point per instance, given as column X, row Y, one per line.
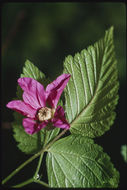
column 45, row 33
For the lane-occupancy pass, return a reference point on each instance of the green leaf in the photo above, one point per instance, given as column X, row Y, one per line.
column 124, row 152
column 30, row 70
column 91, row 94
column 30, row 144
column 75, row 161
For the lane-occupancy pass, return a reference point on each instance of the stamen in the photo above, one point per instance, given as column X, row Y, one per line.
column 45, row 113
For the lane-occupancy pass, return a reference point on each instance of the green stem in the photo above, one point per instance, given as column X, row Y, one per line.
column 41, row 156
column 24, row 183
column 33, row 157
column 30, row 181
column 38, row 166
column 42, row 183
column 21, row 166
column 55, row 139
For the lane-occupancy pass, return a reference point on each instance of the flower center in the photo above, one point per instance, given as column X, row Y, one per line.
column 45, row 113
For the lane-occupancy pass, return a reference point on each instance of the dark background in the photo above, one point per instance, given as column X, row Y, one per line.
column 45, row 33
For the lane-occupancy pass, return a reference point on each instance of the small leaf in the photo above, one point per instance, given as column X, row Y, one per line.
column 30, row 70
column 75, row 161
column 92, row 92
column 124, row 152
column 30, row 144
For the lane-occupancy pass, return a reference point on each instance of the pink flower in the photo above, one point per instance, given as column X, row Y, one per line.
column 39, row 105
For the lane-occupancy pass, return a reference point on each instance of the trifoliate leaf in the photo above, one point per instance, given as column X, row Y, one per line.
column 124, row 152
column 76, row 162
column 91, row 94
column 30, row 144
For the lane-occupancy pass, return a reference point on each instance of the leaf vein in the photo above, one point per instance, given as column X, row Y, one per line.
column 64, row 173
column 75, row 90
column 54, row 171
column 75, row 167
column 82, row 78
column 32, row 71
column 90, row 88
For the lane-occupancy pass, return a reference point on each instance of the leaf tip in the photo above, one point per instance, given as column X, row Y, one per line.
column 109, row 33
column 26, row 62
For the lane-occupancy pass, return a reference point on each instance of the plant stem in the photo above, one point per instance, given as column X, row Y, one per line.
column 21, row 166
column 38, row 166
column 55, row 139
column 24, row 183
column 41, row 182
column 30, row 181
column 33, row 157
column 41, row 156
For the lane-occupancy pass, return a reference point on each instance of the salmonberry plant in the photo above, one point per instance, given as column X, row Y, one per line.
column 90, row 84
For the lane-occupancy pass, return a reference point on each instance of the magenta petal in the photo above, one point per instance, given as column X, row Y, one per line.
column 22, row 108
column 32, row 126
column 55, row 89
column 59, row 119
column 34, row 93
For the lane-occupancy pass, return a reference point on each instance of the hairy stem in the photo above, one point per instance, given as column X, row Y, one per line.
column 33, row 157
